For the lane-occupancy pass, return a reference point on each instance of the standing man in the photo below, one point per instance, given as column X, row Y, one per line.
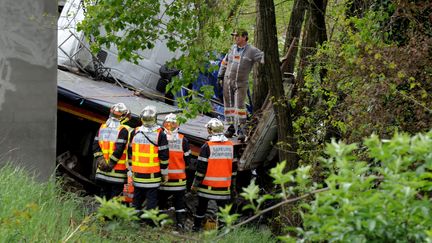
column 148, row 152
column 215, row 173
column 179, row 157
column 234, row 72
column 109, row 151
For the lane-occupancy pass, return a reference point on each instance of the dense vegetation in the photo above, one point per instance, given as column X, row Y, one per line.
column 361, row 68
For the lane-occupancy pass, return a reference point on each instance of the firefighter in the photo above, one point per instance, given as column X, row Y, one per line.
column 179, row 157
column 148, row 152
column 216, row 171
column 110, row 150
column 128, row 188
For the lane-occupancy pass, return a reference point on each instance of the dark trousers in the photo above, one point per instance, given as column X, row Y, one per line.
column 178, row 197
column 141, row 194
column 203, row 204
column 110, row 190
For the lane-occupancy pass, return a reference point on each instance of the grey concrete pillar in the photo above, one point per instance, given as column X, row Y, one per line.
column 28, row 84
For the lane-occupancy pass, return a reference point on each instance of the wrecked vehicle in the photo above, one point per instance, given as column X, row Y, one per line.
column 89, row 84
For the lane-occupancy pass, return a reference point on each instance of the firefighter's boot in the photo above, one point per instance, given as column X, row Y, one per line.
column 197, row 226
column 180, row 221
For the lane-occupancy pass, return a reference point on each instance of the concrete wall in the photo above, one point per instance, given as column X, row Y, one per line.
column 28, row 84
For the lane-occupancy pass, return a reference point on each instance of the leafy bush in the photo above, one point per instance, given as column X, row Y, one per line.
column 363, row 81
column 385, row 199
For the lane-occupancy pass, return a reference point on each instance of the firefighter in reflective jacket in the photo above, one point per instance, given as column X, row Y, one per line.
column 148, row 152
column 216, row 171
column 179, row 157
column 110, row 150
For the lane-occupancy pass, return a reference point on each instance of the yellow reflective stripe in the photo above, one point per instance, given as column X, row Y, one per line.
column 98, row 154
column 151, row 155
column 144, row 180
column 113, row 158
column 228, row 192
column 140, row 164
column 175, row 183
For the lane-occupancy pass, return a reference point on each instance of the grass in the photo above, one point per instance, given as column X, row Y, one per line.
column 31, row 211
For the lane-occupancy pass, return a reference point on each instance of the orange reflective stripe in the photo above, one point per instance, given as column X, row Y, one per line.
column 229, row 111
column 242, row 112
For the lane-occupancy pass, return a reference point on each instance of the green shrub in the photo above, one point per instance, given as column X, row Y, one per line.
column 386, row 199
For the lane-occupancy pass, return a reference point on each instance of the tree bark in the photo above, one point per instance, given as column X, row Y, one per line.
column 266, row 19
column 315, row 34
column 294, row 30
column 261, row 74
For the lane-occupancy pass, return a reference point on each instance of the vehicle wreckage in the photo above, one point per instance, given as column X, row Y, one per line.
column 89, row 84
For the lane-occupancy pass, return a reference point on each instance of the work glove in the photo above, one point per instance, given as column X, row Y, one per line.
column 103, row 165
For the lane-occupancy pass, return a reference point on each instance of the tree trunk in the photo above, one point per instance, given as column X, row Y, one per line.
column 266, row 20
column 261, row 74
column 294, row 30
column 314, row 35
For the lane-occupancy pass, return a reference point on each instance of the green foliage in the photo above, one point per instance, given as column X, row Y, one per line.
column 363, row 80
column 114, row 209
column 384, row 202
column 35, row 212
column 386, row 199
column 159, row 219
column 228, row 218
column 251, row 194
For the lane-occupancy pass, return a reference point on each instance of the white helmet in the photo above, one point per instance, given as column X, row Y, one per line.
column 148, row 116
column 170, row 122
column 119, row 111
column 214, row 126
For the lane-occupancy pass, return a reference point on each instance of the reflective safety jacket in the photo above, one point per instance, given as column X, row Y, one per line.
column 111, row 143
column 148, row 151
column 179, row 156
column 215, row 170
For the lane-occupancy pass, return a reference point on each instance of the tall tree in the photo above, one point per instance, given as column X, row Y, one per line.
column 266, row 22
column 314, row 34
column 293, row 32
column 261, row 73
